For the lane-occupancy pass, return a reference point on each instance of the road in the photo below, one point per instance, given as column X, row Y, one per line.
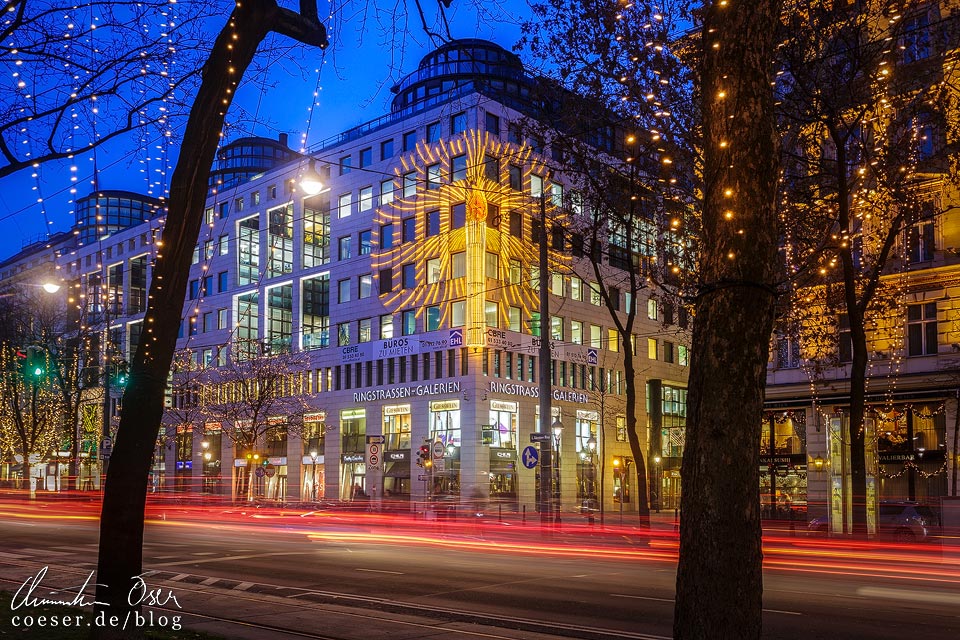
column 576, row 582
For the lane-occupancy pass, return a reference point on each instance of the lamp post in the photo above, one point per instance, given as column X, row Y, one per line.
column 313, row 482
column 206, row 455
column 655, row 498
column 592, row 487
column 557, row 428
column 618, row 476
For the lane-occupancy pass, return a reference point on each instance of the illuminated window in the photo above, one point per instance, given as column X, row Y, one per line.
column 343, row 205
column 492, row 266
column 366, row 199
column 576, row 288
column 343, row 334
column 386, row 192
column 433, row 318
column 513, row 318
column 344, row 250
column 536, row 185
column 433, row 270
column 491, row 314
column 386, row 327
column 343, row 290
column 408, row 322
column 366, row 285
column 556, row 284
column 576, row 332
column 458, row 263
column 683, row 355
column 458, row 313
column 922, row 328
column 556, row 328
column 364, row 334
column 652, row 348
column 595, row 339
column 515, row 271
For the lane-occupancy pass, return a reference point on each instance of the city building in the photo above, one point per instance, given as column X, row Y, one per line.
column 406, row 294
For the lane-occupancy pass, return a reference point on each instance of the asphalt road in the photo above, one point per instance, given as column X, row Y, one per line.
column 571, row 583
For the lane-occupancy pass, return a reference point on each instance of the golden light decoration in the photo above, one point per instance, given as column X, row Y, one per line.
column 484, row 192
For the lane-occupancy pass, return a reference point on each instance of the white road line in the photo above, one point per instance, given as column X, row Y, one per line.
column 178, row 577
column 787, row 613
column 910, row 595
column 204, row 553
column 243, row 586
column 624, row 595
column 210, row 581
column 195, row 561
column 395, row 573
column 12, row 556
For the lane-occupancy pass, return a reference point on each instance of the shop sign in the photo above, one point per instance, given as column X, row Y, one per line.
column 503, row 454
column 445, row 405
column 896, row 457
column 396, row 410
column 529, row 391
column 501, row 339
column 770, row 460
column 409, row 391
column 354, row 353
column 278, row 460
column 350, row 458
column 397, row 456
column 353, row 414
column 500, row 405
column 456, row 337
column 396, row 347
column 591, row 416
column 309, row 460
column 319, row 416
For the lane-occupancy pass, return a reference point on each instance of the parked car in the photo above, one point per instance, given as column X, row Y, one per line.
column 904, row 521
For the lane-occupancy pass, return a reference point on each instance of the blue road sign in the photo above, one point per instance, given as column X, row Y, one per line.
column 530, row 457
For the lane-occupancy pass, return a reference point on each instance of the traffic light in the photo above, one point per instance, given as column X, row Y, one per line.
column 35, row 364
column 423, row 456
column 119, row 374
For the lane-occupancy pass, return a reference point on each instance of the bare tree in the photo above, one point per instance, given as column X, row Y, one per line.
column 121, row 530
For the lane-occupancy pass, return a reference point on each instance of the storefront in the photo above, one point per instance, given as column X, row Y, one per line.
column 353, row 468
column 445, row 429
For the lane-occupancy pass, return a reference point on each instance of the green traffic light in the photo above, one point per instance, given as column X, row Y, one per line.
column 38, row 372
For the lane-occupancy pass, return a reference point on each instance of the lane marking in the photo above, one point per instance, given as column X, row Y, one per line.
column 204, row 553
column 625, row 595
column 786, row 613
column 195, row 561
column 396, row 573
column 179, row 577
column 243, row 586
column 909, row 595
column 210, row 581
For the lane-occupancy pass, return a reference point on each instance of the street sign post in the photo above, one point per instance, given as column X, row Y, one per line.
column 438, row 450
column 539, row 437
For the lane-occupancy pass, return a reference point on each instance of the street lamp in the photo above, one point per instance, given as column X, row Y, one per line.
column 313, row 482
column 311, row 182
column 591, row 488
column 207, row 456
column 655, row 497
column 557, row 428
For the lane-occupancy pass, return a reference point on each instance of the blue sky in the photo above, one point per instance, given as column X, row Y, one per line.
column 355, row 77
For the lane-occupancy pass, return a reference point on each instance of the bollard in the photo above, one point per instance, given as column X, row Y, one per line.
column 523, row 517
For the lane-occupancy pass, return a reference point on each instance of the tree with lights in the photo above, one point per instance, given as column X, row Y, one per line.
column 632, row 215
column 864, row 104
column 121, row 529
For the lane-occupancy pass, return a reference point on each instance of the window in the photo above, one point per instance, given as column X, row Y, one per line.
column 513, row 318
column 386, row 236
column 921, row 233
column 366, row 157
column 248, row 250
column 433, row 223
column 365, row 244
column 844, row 340
column 491, row 168
column 667, row 351
column 386, row 327
column 458, row 123
column 409, row 140
column 458, row 265
column 458, row 313
column 386, row 192
column 433, row 318
column 365, row 333
column 408, row 231
column 224, row 245
column 516, row 224
column 255, row 198
column 386, row 149
column 556, row 284
column 922, row 329
column 492, row 123
column 366, row 199
column 595, row 298
column 492, row 266
column 458, row 215
column 576, row 289
column 458, row 168
column 536, row 186
column 652, row 348
column 346, row 165
column 917, row 43
column 194, row 289
column 343, row 205
column 408, row 322
column 344, row 250
column 595, row 340
column 409, row 276
column 683, row 355
column 535, row 323
column 386, row 280
column 433, row 176
column 433, row 132
column 222, row 318
column 316, row 231
column 491, row 314
column 515, row 271
column 222, row 281
column 433, row 270
column 366, row 285
column 516, row 178
column 576, row 332
column 343, row 334
column 556, row 328
column 410, row 184
column 343, row 291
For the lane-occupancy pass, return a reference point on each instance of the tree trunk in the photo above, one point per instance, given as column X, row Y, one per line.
column 956, row 446
column 121, row 525
column 719, row 580
column 629, row 373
